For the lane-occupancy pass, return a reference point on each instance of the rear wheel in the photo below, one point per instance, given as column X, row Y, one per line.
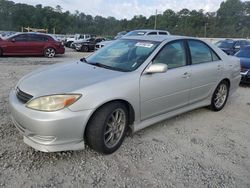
column 49, row 52
column 85, row 48
column 106, row 130
column 220, row 96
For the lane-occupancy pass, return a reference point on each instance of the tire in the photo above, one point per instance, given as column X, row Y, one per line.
column 1, row 52
column 220, row 96
column 85, row 49
column 49, row 52
column 103, row 133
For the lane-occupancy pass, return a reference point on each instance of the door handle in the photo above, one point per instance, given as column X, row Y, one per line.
column 186, row 75
column 219, row 67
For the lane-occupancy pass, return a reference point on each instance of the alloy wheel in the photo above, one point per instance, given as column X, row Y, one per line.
column 221, row 96
column 114, row 129
column 50, row 52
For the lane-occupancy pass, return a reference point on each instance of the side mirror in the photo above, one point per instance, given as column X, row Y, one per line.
column 237, row 47
column 156, row 68
column 13, row 40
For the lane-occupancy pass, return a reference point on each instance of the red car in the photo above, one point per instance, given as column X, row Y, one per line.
column 31, row 44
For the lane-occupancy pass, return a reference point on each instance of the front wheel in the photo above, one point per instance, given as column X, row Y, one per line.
column 85, row 49
column 49, row 52
column 220, row 96
column 106, row 130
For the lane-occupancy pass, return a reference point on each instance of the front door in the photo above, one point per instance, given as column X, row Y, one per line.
column 164, row 92
column 17, row 45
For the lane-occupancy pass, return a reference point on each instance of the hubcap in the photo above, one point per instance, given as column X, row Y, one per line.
column 115, row 127
column 220, row 96
column 50, row 52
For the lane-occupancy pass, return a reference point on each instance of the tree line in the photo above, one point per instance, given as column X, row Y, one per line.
column 232, row 19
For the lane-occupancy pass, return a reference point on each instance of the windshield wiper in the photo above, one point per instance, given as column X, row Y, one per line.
column 108, row 67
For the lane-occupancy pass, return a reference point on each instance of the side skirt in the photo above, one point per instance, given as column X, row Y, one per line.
column 159, row 118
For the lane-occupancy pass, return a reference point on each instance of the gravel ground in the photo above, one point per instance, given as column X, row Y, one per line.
column 197, row 149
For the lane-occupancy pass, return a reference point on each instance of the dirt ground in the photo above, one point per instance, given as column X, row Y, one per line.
column 197, row 149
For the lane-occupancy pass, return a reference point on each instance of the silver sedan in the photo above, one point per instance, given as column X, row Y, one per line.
column 126, row 86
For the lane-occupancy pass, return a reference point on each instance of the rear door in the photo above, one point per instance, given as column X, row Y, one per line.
column 164, row 92
column 36, row 43
column 206, row 70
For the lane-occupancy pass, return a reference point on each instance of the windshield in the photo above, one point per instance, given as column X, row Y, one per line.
column 225, row 44
column 243, row 53
column 124, row 55
column 9, row 36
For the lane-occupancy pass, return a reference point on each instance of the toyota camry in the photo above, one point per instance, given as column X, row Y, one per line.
column 133, row 83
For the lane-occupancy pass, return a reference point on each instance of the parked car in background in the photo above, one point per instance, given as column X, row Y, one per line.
column 77, row 37
column 141, row 32
column 230, row 47
column 88, row 45
column 103, row 43
column 244, row 55
column 31, row 44
column 147, row 32
column 128, row 85
column 120, row 34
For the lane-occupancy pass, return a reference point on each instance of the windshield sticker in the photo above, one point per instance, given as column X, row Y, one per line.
column 144, row 44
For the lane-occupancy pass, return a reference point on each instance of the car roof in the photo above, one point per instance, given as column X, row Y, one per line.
column 157, row 38
column 150, row 30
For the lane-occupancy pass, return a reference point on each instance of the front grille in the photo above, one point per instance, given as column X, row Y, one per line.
column 22, row 96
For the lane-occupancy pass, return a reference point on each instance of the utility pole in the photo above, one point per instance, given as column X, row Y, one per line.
column 205, row 30
column 155, row 19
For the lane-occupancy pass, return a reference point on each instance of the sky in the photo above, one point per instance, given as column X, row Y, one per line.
column 126, row 8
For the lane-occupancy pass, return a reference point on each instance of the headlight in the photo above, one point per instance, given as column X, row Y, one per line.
column 53, row 102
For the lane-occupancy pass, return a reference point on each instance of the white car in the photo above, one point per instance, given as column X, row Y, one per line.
column 141, row 32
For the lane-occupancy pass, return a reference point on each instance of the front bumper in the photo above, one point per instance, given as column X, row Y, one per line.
column 49, row 131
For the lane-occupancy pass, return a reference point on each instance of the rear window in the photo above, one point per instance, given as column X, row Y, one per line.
column 163, row 33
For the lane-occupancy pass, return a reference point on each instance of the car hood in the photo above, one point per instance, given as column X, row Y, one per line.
column 245, row 62
column 64, row 78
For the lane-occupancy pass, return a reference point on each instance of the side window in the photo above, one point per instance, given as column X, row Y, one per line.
column 153, row 33
column 172, row 54
column 21, row 38
column 200, row 53
column 163, row 33
column 38, row 38
column 215, row 56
